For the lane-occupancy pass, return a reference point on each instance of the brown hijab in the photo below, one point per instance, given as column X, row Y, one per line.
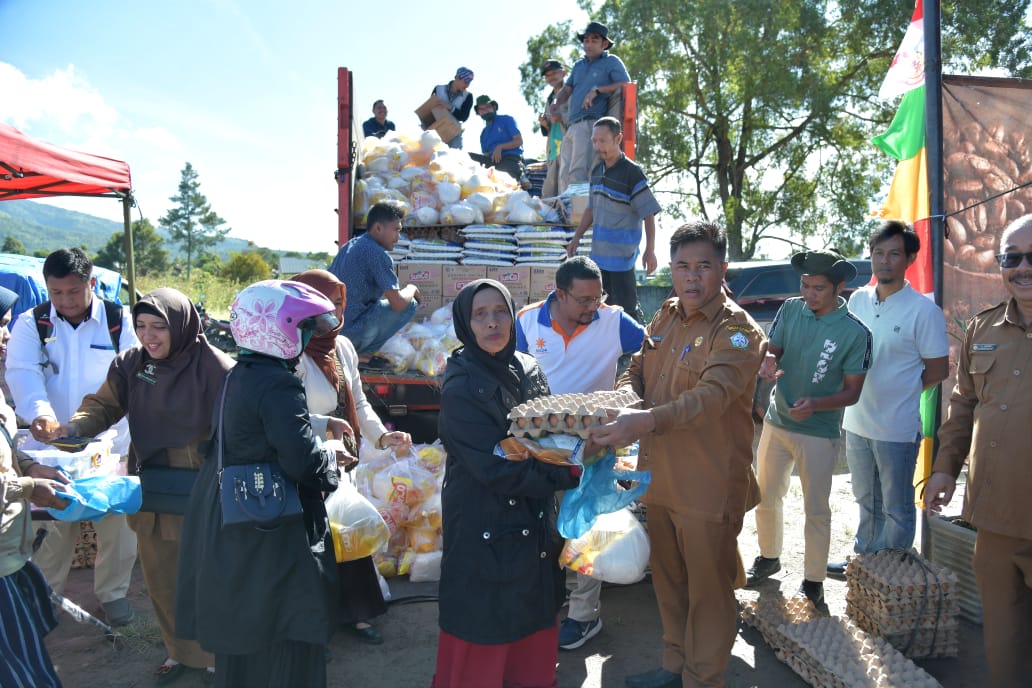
column 169, row 402
column 323, row 349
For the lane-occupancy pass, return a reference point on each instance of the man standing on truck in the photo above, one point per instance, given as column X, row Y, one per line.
column 455, row 96
column 377, row 306
column 819, row 354
column 553, row 125
column 577, row 340
column 595, row 77
column 619, row 205
column 59, row 352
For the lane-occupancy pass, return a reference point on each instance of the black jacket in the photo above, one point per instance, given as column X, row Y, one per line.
column 243, row 588
column 500, row 575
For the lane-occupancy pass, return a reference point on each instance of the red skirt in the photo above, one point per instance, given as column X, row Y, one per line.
column 527, row 663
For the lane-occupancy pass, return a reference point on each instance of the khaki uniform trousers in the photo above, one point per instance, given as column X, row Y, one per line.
column 159, row 539
column 777, row 451
column 1003, row 569
column 695, row 569
column 116, row 555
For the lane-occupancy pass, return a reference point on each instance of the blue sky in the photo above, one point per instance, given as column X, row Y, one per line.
column 246, row 91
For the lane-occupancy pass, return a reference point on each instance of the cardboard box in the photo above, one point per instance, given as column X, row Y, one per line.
column 423, row 275
column 457, row 276
column 542, row 282
column 430, row 300
column 578, row 204
column 516, row 279
column 447, row 127
column 425, row 112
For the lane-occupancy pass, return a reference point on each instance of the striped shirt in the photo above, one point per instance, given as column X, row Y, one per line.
column 620, row 199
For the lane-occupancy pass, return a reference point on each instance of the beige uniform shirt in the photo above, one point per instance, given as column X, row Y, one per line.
column 990, row 422
column 697, row 375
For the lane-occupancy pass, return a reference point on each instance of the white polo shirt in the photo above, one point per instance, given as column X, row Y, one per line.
column 586, row 360
column 906, row 327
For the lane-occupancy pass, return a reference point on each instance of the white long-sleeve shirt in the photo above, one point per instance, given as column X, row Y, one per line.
column 82, row 355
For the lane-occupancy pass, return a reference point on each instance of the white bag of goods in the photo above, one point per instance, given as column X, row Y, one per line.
column 615, row 550
column 357, row 528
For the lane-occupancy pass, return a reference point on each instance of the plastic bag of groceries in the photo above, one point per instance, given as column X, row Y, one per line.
column 358, row 529
column 432, row 358
column 404, row 482
column 598, row 492
column 432, row 458
column 400, row 354
column 426, row 567
column 615, row 550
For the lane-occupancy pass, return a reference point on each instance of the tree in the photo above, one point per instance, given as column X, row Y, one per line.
column 758, row 114
column 149, row 256
column 191, row 223
column 13, row 245
column 245, row 268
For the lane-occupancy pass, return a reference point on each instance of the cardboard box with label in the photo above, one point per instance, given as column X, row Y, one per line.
column 516, row 279
column 428, row 277
column 542, row 282
column 455, row 277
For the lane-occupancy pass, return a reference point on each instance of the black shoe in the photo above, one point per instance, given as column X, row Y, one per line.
column 837, row 570
column 762, row 569
column 814, row 591
column 657, row 678
column 366, row 634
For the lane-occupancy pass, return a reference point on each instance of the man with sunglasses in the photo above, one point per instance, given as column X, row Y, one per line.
column 577, row 340
column 883, row 429
column 989, row 424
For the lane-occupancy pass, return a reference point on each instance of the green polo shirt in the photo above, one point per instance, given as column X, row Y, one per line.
column 817, row 354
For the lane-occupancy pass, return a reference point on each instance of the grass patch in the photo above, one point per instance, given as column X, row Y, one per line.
column 217, row 293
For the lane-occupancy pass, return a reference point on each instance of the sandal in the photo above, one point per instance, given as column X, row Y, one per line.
column 169, row 673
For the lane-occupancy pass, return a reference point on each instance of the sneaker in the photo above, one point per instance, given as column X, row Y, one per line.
column 118, row 612
column 573, row 633
column 837, row 570
column 813, row 590
column 762, row 569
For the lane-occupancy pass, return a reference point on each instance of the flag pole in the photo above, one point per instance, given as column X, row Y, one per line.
column 936, row 207
column 933, row 138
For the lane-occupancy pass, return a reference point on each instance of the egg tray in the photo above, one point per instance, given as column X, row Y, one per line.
column 925, row 612
column 900, row 573
column 831, row 652
column 568, row 414
column 925, row 642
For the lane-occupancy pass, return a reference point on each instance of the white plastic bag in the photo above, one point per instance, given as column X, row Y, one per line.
column 615, row 550
column 358, row 529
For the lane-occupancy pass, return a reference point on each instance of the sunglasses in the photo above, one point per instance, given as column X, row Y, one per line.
column 1013, row 260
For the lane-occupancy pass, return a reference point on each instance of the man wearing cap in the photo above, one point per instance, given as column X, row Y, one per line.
column 500, row 140
column 594, row 78
column 377, row 125
column 553, row 125
column 819, row 353
column 456, row 96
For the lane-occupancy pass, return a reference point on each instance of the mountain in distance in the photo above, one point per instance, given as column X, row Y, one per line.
column 45, row 227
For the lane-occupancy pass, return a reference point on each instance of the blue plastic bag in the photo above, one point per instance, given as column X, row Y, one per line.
column 598, row 494
column 93, row 498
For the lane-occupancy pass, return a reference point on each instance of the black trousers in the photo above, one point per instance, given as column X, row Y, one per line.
column 623, row 291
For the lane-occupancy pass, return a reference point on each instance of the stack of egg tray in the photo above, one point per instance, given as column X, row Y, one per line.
column 907, row 600
column 829, row 651
column 567, row 414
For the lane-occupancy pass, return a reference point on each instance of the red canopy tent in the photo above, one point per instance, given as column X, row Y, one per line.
column 34, row 169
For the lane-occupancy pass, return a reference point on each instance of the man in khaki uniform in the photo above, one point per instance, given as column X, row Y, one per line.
column 696, row 373
column 989, row 423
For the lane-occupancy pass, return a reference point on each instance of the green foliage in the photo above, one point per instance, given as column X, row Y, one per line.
column 244, row 268
column 216, row 293
column 191, row 223
column 660, row 278
column 149, row 256
column 13, row 245
column 758, row 114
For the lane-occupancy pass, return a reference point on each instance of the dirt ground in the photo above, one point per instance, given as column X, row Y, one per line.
column 629, row 643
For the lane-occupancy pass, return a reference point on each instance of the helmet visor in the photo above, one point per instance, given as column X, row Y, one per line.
column 320, row 324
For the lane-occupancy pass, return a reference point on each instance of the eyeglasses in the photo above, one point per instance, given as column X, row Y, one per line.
column 586, row 301
column 1013, row 260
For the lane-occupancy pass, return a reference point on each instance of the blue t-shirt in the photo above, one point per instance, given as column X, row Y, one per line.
column 586, row 76
column 502, row 129
column 367, row 271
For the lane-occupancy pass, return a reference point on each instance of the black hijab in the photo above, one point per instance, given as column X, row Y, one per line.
column 503, row 365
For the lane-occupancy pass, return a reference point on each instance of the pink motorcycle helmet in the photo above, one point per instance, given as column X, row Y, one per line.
column 278, row 317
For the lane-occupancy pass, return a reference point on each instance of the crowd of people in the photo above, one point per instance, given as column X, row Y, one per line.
column 243, row 601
